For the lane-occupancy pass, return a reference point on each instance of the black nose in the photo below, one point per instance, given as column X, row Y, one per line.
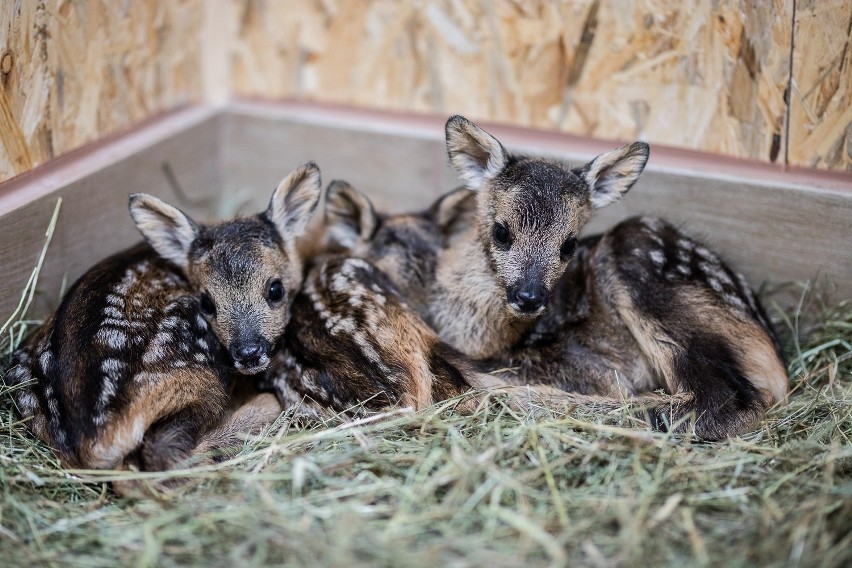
column 250, row 351
column 528, row 298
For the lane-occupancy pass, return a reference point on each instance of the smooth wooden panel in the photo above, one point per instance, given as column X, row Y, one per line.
column 73, row 72
column 697, row 75
column 400, row 173
column 821, row 95
column 94, row 222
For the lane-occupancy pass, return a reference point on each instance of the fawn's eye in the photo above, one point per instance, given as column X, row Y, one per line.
column 275, row 291
column 208, row 308
column 568, row 248
column 501, row 235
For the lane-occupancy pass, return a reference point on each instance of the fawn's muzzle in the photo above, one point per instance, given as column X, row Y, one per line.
column 528, row 299
column 250, row 356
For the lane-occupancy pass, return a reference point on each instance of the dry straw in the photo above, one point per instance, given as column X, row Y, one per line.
column 552, row 487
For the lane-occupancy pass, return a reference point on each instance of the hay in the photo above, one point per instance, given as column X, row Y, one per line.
column 493, row 488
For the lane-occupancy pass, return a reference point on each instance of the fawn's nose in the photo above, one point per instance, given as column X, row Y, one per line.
column 528, row 298
column 250, row 353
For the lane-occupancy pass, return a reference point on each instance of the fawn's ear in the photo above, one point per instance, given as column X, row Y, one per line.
column 167, row 229
column 349, row 214
column 611, row 174
column 454, row 210
column 477, row 156
column 294, row 201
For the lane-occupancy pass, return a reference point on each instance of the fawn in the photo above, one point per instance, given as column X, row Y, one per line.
column 509, row 282
column 135, row 366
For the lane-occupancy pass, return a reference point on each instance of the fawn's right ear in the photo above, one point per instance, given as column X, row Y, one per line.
column 613, row 173
column 167, row 229
column 477, row 156
column 349, row 214
column 294, row 201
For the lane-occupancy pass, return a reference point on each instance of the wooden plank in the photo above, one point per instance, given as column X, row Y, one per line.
column 821, row 94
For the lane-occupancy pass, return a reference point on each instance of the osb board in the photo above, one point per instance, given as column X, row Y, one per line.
column 93, row 220
column 402, row 169
column 696, row 75
column 821, row 101
column 72, row 72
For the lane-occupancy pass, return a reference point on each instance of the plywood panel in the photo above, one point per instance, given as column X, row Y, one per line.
column 697, row 75
column 821, row 94
column 73, row 72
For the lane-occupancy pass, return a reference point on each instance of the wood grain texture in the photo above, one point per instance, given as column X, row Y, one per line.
column 73, row 72
column 821, row 93
column 693, row 75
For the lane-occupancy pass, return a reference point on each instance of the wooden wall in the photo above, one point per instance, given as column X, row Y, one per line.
column 72, row 72
column 705, row 75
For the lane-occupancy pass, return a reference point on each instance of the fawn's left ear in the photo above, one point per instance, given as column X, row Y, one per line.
column 611, row 174
column 167, row 229
column 294, row 201
column 454, row 211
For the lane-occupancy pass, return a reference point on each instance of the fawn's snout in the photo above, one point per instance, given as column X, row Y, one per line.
column 250, row 355
column 528, row 298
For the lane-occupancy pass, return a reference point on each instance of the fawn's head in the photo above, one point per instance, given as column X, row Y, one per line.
column 530, row 211
column 245, row 272
column 404, row 246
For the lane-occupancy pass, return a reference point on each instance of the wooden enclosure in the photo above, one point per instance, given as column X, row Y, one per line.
column 746, row 105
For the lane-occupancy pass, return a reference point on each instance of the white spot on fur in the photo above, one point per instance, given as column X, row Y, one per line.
column 653, row 223
column 685, row 244
column 111, row 337
column 115, row 300
column 704, row 253
column 735, row 300
column 112, row 366
column 113, row 312
column 157, row 348
column 26, row 403
column 657, row 257
column 45, row 361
